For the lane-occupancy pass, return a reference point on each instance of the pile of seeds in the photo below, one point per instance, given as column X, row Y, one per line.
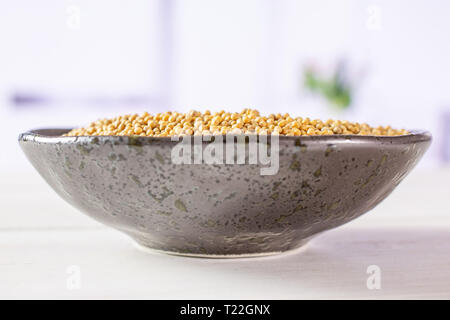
column 208, row 123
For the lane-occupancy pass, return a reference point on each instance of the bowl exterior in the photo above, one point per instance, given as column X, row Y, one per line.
column 132, row 185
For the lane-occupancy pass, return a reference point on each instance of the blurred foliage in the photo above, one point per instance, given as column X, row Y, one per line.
column 334, row 89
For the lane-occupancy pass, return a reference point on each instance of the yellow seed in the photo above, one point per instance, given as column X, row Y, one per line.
column 282, row 123
column 216, row 120
column 247, row 121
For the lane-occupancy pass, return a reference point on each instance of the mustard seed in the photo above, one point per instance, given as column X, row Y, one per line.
column 247, row 121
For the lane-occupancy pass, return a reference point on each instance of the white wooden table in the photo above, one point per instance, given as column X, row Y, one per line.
column 50, row 250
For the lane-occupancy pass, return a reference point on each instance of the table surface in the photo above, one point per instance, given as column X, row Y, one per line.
column 50, row 250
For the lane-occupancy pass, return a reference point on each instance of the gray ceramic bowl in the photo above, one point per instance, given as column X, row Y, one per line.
column 131, row 184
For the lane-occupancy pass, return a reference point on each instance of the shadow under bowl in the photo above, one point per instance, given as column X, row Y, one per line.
column 223, row 210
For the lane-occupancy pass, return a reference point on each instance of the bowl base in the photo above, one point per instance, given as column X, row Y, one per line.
column 151, row 250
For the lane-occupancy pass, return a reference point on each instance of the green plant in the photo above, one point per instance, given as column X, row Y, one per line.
column 334, row 89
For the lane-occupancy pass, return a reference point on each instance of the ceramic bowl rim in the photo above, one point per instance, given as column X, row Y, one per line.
column 43, row 135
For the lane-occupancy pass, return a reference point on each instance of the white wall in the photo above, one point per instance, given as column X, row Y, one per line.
column 116, row 49
column 250, row 53
column 223, row 54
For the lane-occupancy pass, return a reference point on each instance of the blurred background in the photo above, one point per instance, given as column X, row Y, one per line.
column 66, row 63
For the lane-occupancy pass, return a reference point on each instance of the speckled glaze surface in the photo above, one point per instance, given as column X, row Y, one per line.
column 131, row 184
